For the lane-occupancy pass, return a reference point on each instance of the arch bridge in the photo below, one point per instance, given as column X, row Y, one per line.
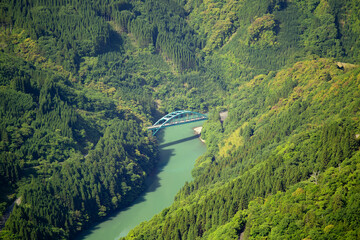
column 176, row 118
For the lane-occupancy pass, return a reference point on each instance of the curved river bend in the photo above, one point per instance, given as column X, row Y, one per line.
column 179, row 148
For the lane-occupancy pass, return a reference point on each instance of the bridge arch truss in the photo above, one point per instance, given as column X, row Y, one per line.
column 177, row 118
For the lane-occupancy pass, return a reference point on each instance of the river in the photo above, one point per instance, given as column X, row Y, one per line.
column 179, row 148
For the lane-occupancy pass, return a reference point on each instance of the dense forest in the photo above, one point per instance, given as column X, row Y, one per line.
column 81, row 80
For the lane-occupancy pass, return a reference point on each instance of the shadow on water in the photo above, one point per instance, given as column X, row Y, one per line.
column 152, row 183
column 160, row 137
column 153, row 180
column 179, row 141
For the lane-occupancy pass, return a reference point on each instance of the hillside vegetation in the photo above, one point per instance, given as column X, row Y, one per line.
column 80, row 80
column 284, row 164
column 279, row 139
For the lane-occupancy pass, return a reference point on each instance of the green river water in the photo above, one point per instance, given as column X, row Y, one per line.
column 179, row 148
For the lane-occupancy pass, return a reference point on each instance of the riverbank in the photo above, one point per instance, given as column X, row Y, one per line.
column 7, row 213
column 197, row 131
column 178, row 151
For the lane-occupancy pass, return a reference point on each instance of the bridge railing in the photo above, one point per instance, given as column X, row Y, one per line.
column 176, row 118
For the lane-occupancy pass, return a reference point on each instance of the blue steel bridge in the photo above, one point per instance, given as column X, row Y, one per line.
column 176, row 118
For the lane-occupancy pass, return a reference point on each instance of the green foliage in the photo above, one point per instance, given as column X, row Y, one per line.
column 320, row 36
column 79, row 79
column 261, row 31
column 326, row 209
column 288, row 140
column 165, row 28
column 349, row 26
column 49, row 127
column 85, row 188
column 65, row 31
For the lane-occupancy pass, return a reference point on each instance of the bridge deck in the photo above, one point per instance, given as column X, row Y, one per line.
column 176, row 118
column 176, row 123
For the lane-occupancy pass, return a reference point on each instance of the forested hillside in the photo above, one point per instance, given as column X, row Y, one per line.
column 80, row 80
column 284, row 164
column 306, row 131
column 76, row 93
